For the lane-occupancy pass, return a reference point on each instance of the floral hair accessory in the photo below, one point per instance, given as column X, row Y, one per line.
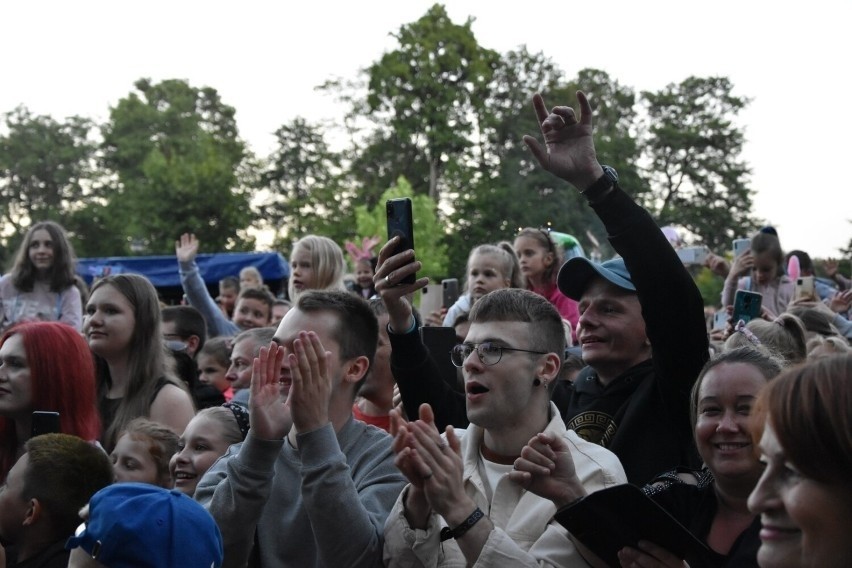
column 365, row 251
column 741, row 327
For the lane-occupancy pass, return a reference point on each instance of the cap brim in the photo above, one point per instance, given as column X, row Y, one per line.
column 575, row 275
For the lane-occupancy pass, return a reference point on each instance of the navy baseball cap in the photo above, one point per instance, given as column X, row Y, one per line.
column 575, row 275
column 137, row 525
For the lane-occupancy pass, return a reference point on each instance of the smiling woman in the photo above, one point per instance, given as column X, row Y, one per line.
column 803, row 497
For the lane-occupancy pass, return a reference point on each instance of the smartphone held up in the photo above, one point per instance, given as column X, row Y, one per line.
column 400, row 223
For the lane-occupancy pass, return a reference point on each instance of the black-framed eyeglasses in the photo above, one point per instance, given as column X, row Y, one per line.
column 489, row 353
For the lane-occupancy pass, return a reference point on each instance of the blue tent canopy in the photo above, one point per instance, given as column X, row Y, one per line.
column 162, row 271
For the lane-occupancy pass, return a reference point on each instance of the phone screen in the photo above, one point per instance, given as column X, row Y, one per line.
column 45, row 423
column 400, row 224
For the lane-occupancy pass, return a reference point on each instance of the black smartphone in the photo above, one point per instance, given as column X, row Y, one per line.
column 439, row 341
column 746, row 306
column 451, row 291
column 44, row 422
column 401, row 224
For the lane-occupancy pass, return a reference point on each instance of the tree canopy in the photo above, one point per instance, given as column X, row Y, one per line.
column 439, row 117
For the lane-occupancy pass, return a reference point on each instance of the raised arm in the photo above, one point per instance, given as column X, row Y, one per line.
column 186, row 249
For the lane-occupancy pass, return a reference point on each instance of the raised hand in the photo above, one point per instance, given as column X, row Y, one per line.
column 310, row 393
column 269, row 410
column 186, row 248
column 546, row 468
column 742, row 265
column 390, row 270
column 841, row 302
column 569, row 150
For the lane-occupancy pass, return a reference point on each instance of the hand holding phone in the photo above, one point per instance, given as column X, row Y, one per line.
column 740, row 246
column 805, row 288
column 400, row 223
column 746, row 306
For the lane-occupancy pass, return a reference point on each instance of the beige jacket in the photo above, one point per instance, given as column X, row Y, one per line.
column 524, row 534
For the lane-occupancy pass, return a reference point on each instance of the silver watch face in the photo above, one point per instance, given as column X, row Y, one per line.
column 610, row 172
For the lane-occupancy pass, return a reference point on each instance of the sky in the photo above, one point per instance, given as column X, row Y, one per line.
column 265, row 58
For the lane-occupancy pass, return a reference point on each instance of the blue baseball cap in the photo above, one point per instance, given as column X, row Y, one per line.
column 137, row 525
column 575, row 275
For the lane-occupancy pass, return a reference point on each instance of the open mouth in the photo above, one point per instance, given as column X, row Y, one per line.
column 731, row 446
column 184, row 476
column 476, row 388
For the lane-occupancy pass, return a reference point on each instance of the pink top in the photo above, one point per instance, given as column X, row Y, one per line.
column 566, row 307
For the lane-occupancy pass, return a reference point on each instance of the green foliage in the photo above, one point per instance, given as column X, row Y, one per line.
column 427, row 90
column 428, row 241
column 176, row 152
column 693, row 148
column 710, row 285
column 307, row 193
column 45, row 168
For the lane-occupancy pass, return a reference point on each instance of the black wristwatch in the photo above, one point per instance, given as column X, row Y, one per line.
column 608, row 180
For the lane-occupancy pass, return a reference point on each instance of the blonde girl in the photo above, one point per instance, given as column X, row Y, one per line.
column 316, row 263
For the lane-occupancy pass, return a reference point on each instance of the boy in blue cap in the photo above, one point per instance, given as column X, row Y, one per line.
column 138, row 525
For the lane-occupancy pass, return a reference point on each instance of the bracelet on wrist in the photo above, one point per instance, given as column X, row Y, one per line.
column 447, row 533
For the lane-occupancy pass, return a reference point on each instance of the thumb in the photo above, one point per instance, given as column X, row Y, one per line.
column 426, row 414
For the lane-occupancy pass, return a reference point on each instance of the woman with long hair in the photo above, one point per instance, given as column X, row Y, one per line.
column 134, row 374
column 44, row 366
column 40, row 286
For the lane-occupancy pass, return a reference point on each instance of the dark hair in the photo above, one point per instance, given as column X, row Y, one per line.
column 357, row 329
column 805, row 262
column 219, row 348
column 63, row 473
column 188, row 322
column 542, row 237
column 767, row 365
column 64, row 260
column 257, row 294
column 808, row 409
column 768, row 243
column 516, row 305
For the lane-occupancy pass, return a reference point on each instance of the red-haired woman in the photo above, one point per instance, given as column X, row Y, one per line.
column 44, row 366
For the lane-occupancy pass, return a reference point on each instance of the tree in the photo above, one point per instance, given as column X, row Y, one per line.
column 428, row 236
column 44, row 165
column 176, row 152
column 426, row 90
column 306, row 187
column 693, row 150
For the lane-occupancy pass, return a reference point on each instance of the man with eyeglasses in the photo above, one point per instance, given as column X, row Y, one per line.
column 460, row 508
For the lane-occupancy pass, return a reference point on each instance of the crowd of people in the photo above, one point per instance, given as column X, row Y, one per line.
column 319, row 429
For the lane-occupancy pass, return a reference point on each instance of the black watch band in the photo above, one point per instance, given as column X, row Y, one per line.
column 602, row 185
column 447, row 533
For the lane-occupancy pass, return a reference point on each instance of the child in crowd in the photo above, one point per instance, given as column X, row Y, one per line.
column 213, row 361
column 489, row 267
column 761, row 269
column 250, row 278
column 784, row 337
column 41, row 285
column 142, row 453
column 540, row 259
column 253, row 305
column 206, row 438
column 317, row 264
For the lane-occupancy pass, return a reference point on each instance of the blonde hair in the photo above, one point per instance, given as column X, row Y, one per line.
column 161, row 440
column 506, row 257
column 225, row 417
column 326, row 260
